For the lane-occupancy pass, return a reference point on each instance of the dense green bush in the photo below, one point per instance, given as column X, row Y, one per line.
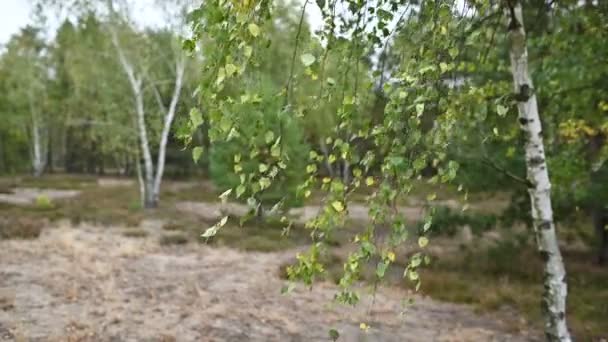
column 261, row 121
column 448, row 221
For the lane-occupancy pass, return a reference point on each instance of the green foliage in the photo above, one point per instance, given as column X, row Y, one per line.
column 248, row 156
column 449, row 221
column 43, row 202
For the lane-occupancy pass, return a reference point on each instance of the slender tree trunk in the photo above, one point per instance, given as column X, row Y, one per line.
column 555, row 288
column 325, row 151
column 148, row 170
column 2, row 153
column 38, row 153
column 140, row 181
column 600, row 222
column 346, row 172
column 136, row 87
column 169, row 116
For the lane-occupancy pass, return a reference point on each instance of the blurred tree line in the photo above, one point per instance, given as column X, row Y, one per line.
column 67, row 104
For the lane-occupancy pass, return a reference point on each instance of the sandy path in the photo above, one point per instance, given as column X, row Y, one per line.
column 93, row 284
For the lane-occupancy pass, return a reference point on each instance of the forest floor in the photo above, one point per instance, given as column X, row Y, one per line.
column 91, row 283
column 103, row 269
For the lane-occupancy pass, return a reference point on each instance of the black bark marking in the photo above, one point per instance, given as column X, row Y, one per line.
column 545, row 225
column 525, row 92
column 536, row 161
column 544, row 255
column 513, row 23
column 523, row 121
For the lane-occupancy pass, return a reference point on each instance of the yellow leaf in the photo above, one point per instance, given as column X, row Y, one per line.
column 369, row 181
column 254, row 29
column 338, row 206
column 423, row 241
column 391, row 256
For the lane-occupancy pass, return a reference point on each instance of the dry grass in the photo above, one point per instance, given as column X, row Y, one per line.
column 20, row 228
column 505, row 277
column 135, row 233
column 173, row 239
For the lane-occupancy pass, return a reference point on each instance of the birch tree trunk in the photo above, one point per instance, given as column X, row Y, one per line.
column 325, row 151
column 555, row 288
column 38, row 152
column 180, row 67
column 137, row 89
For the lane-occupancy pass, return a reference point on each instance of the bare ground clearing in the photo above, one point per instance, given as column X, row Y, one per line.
column 93, row 284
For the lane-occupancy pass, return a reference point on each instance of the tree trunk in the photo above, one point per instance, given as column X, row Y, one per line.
column 600, row 223
column 325, row 151
column 599, row 211
column 148, row 171
column 38, row 158
column 169, row 116
column 136, row 87
column 555, row 288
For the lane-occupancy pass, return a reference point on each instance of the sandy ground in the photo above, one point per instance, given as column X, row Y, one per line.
column 93, row 284
column 27, row 196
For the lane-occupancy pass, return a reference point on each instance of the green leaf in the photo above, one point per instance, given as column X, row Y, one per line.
column 423, row 241
column 230, row 69
column 381, row 269
column 254, row 29
column 501, row 110
column 248, row 51
column 221, row 75
column 189, row 45
column 240, row 190
column 419, row 109
column 334, row 335
column 196, row 117
column 453, row 52
column 307, row 59
column 338, row 206
column 196, row 153
column 262, row 167
column 264, row 183
column 269, row 137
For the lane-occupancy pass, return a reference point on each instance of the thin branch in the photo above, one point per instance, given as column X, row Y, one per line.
column 487, row 161
column 288, row 87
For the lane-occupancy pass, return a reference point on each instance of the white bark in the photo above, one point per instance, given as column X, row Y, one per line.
column 38, row 152
column 137, row 89
column 554, row 297
column 180, row 67
column 152, row 181
column 325, row 151
column 140, row 181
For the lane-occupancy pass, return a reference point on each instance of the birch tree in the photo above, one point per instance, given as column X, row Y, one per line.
column 418, row 123
column 27, row 78
column 554, row 297
column 143, row 86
